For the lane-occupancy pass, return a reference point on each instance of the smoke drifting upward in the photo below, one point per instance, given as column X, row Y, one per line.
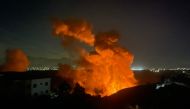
column 16, row 60
column 102, row 71
column 76, row 29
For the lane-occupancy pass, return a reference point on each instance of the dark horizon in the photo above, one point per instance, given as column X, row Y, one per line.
column 155, row 32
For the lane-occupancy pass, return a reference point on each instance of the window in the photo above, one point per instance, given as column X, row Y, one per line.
column 41, row 83
column 34, row 85
column 47, row 91
column 46, row 83
column 35, row 94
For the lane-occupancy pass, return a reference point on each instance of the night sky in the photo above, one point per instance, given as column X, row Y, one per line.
column 157, row 32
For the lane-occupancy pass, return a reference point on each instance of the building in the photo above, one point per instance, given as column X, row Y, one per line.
column 39, row 86
column 26, row 84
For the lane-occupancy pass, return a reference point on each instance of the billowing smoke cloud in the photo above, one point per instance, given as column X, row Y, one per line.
column 76, row 29
column 101, row 71
column 16, row 60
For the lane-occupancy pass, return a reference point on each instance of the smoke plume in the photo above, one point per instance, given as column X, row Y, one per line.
column 16, row 60
column 105, row 69
column 76, row 29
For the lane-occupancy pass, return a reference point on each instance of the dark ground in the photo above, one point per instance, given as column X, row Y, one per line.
column 174, row 94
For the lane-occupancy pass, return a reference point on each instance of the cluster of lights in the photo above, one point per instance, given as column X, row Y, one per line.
column 42, row 68
column 133, row 68
column 137, row 68
column 157, row 69
column 172, row 69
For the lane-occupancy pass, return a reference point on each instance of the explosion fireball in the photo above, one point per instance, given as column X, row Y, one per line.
column 105, row 69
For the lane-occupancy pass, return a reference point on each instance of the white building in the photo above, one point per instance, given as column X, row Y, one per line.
column 40, row 86
column 34, row 83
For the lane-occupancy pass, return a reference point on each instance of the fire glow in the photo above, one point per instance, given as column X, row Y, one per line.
column 105, row 69
column 16, row 61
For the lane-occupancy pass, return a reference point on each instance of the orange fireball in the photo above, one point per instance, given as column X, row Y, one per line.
column 103, row 70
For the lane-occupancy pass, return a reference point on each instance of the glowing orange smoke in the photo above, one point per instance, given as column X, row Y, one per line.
column 16, row 60
column 101, row 71
column 78, row 29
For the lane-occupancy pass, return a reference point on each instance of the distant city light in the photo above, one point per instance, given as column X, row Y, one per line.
column 137, row 68
column 43, row 68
